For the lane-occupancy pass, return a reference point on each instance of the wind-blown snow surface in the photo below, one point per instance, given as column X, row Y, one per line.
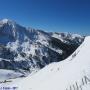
column 70, row 74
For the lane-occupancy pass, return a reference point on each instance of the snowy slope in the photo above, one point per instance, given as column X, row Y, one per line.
column 70, row 74
column 8, row 74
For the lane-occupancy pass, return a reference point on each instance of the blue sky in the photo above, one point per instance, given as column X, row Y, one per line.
column 50, row 15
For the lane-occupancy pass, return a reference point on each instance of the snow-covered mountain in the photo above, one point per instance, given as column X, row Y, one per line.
column 72, row 73
column 25, row 49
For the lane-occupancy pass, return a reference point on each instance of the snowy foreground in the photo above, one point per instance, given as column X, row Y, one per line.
column 70, row 74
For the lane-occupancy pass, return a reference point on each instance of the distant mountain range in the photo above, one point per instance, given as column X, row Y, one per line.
column 26, row 50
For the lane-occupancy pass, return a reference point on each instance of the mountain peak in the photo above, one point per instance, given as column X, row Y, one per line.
column 5, row 21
